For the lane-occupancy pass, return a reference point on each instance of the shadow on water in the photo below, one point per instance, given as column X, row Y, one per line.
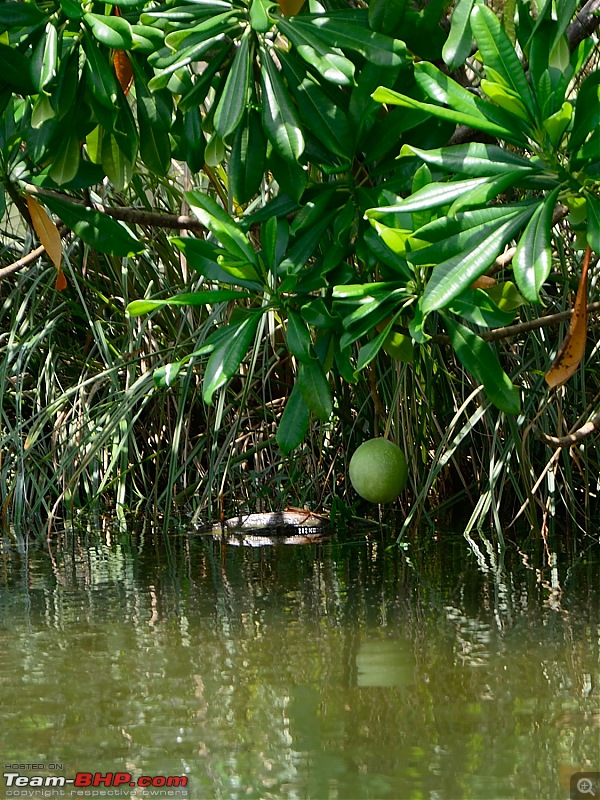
column 344, row 670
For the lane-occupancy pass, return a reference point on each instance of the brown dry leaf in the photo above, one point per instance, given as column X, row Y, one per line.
column 483, row 282
column 572, row 349
column 123, row 70
column 61, row 281
column 290, row 7
column 46, row 230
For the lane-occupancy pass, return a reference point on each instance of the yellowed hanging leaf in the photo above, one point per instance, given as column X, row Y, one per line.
column 46, row 230
column 572, row 349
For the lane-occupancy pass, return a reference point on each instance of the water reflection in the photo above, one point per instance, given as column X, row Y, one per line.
column 343, row 670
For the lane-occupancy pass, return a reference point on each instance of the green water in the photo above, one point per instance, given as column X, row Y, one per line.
column 335, row 671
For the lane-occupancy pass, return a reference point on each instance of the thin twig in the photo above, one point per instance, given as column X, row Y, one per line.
column 573, row 438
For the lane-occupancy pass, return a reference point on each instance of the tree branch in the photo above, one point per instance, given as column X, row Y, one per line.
column 570, row 439
column 584, row 24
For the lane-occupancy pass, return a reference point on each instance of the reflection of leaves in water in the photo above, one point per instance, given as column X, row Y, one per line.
column 317, row 671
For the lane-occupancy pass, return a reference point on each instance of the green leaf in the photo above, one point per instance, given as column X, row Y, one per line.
column 593, row 221
column 325, row 120
column 480, row 359
column 557, row 124
column 228, row 354
column 506, row 296
column 220, row 224
column 497, row 52
column 446, row 91
column 19, row 15
column 400, row 347
column 451, row 277
column 533, row 257
column 248, row 158
column 101, row 78
column 475, row 159
column 460, row 39
column 472, row 120
column 385, row 16
column 114, row 32
column 97, row 230
column 260, row 19
column 369, row 351
column 446, row 237
column 206, row 297
column 44, row 62
column 432, row 196
column 293, row 424
column 503, row 97
column 208, row 260
column 66, row 161
column 192, row 144
column 298, row 337
column 329, row 62
column 587, row 111
column 476, row 306
column 481, row 195
column 155, row 146
column 118, row 168
column 335, row 31
column 233, row 100
column 314, row 388
column 280, row 119
column 15, row 70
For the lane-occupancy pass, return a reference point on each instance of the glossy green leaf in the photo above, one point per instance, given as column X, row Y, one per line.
column 481, row 195
column 191, row 35
column 587, row 111
column 326, row 120
column 446, row 237
column 497, row 52
column 472, row 119
column 385, row 16
column 44, row 61
column 155, row 146
column 460, row 39
column 432, row 196
column 475, row 159
column 260, row 18
column 557, row 124
column 451, row 277
column 15, row 14
column 101, row 78
column 280, row 119
column 293, row 425
column 532, row 260
column 479, row 358
column 201, row 298
column 248, row 158
column 227, row 356
column 112, row 31
column 476, row 306
column 314, row 387
column 446, row 91
column 369, row 351
column 72, row 9
column 330, row 62
column 97, row 230
column 234, row 98
column 504, row 97
column 192, row 144
column 220, row 224
column 298, row 337
column 335, row 31
column 210, row 261
column 66, row 161
column 182, row 59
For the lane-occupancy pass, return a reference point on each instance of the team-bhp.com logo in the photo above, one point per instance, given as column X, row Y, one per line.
column 19, row 785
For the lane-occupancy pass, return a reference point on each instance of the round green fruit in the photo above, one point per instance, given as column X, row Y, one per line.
column 378, row 471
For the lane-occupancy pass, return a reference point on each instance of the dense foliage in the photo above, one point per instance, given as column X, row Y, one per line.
column 392, row 207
